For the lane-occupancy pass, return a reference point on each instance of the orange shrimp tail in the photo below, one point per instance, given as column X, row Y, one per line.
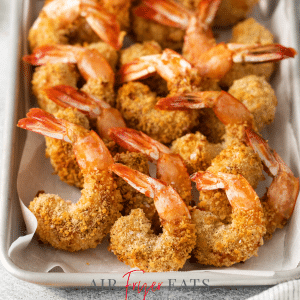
column 227, row 108
column 52, row 54
column 165, row 12
column 260, row 53
column 138, row 180
column 135, row 141
column 103, row 23
column 207, row 181
column 238, row 190
column 139, row 68
column 44, row 123
column 207, row 10
column 68, row 96
column 168, row 203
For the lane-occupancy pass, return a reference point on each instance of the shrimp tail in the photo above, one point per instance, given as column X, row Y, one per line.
column 260, row 53
column 138, row 141
column 52, row 54
column 103, row 23
column 168, row 203
column 165, row 12
column 68, row 96
column 44, row 123
column 227, row 108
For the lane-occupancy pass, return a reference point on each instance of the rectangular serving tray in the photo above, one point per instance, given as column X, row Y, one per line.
column 11, row 222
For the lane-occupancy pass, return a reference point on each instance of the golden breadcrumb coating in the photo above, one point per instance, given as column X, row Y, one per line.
column 136, row 103
column 235, row 159
column 222, row 244
column 135, row 244
column 49, row 75
column 196, row 151
column 61, row 153
column 167, row 37
column 83, row 225
column 249, row 32
column 258, row 96
column 137, row 50
column 101, row 89
column 131, row 197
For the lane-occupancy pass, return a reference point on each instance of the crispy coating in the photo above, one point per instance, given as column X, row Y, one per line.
column 137, row 50
column 235, row 159
column 136, row 103
column 50, row 75
column 258, row 96
column 135, row 244
column 132, row 198
column 83, row 225
column 61, row 153
column 196, row 151
column 101, row 89
column 147, row 30
column 249, row 32
column 222, row 244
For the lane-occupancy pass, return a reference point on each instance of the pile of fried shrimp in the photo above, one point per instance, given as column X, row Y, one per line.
column 175, row 98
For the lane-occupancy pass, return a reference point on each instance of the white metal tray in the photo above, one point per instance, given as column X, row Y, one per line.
column 12, row 225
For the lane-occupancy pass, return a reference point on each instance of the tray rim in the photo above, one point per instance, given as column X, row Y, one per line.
column 86, row 279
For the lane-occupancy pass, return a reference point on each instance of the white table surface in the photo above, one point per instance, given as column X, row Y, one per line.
column 13, row 288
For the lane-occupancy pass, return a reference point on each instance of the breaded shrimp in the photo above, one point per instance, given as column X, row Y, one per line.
column 170, row 167
column 222, row 244
column 92, row 65
column 131, row 237
column 258, row 96
column 136, row 102
column 83, row 225
column 200, row 48
column 237, row 159
column 249, row 32
column 280, row 199
column 58, row 19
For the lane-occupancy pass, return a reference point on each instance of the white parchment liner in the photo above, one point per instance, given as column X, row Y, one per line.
column 280, row 253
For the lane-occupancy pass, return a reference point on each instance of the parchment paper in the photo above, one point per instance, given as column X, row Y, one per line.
column 280, row 253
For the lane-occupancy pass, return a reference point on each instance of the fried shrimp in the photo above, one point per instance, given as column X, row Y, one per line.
column 200, row 48
column 222, row 244
column 92, row 65
column 57, row 21
column 281, row 196
column 170, row 167
column 136, row 102
column 83, row 225
column 131, row 237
